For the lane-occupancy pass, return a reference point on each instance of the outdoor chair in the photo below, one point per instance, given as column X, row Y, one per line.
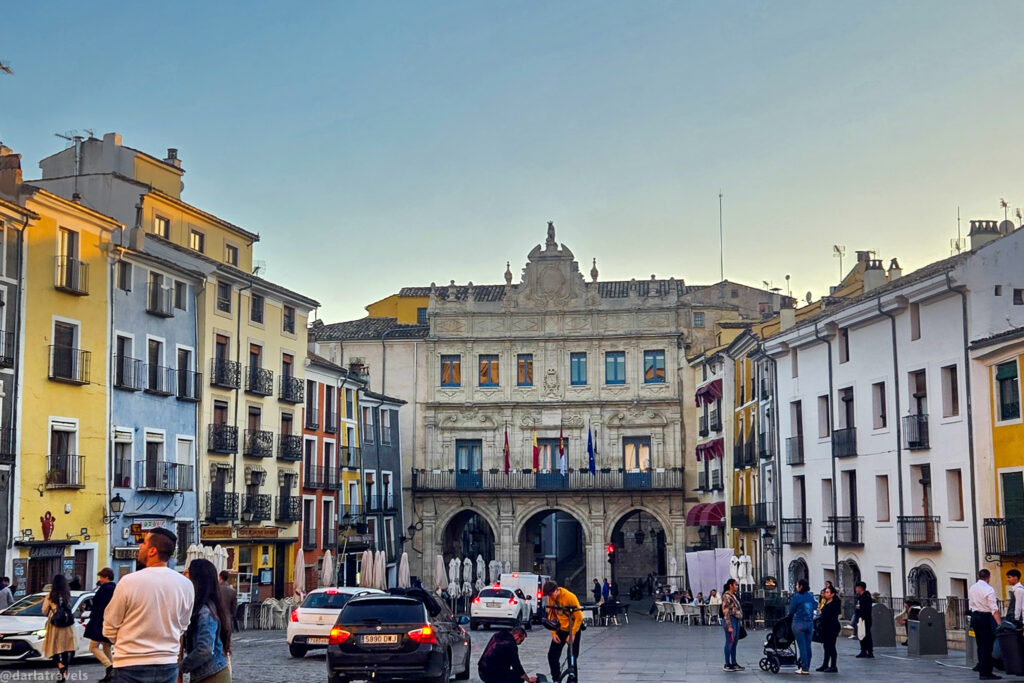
column 659, row 611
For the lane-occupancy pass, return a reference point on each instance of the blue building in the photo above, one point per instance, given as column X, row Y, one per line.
column 154, row 401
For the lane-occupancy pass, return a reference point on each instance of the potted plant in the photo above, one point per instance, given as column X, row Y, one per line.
column 606, row 470
column 493, row 470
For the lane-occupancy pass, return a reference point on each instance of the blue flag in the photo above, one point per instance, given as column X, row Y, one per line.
column 590, row 449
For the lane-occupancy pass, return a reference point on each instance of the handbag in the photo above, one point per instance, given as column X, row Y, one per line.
column 743, row 632
column 862, row 629
column 62, row 617
column 816, row 635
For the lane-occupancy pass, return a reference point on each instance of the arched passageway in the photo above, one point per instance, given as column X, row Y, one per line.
column 468, row 534
column 551, row 542
column 639, row 541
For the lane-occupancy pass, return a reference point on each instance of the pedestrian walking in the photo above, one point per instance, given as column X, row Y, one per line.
column 208, row 637
column 830, row 629
column 500, row 661
column 150, row 610
column 732, row 618
column 614, row 590
column 606, row 590
column 596, row 590
column 981, row 600
column 6, row 594
column 801, row 608
column 1015, row 610
column 863, row 615
column 229, row 596
column 59, row 642
column 99, row 646
column 650, row 584
column 563, row 608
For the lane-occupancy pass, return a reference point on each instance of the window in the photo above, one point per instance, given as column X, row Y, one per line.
column 289, row 320
column 468, row 455
column 955, row 495
column 997, row 290
column 224, row 297
column 878, row 405
column 488, row 371
column 1008, row 388
column 421, row 315
column 122, row 459
column 256, row 314
column 180, row 295
column 884, row 583
column 548, row 457
column 735, row 294
column 882, row 498
column 66, row 363
column 915, row 321
column 615, row 367
column 950, row 392
column 368, row 430
column 917, row 383
column 385, row 426
column 636, row 453
column 196, row 241
column 162, row 227
column 154, row 369
column 654, row 367
column 349, row 410
column 124, row 276
column 799, row 497
column 1018, row 297
column 844, row 345
column 231, row 254
column 578, row 369
column 524, row 370
column 451, row 371
column 824, row 421
column 795, row 360
column 827, row 510
column 846, row 408
column 698, row 319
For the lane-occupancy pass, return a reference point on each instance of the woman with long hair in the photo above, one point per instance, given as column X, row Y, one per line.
column 732, row 617
column 59, row 641
column 830, row 628
column 208, row 636
column 801, row 609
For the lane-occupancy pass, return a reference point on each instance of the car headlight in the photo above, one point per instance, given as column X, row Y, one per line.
column 41, row 633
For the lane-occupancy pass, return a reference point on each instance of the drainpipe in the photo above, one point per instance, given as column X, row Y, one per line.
column 899, row 436
column 970, row 418
column 384, row 359
column 832, row 457
column 778, row 464
column 238, row 390
column 111, row 325
column 198, row 407
column 15, row 399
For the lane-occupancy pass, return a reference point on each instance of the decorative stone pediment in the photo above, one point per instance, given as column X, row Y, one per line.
column 638, row 416
column 551, row 278
column 470, row 417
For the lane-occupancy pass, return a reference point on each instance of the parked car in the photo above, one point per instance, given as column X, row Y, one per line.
column 407, row 634
column 309, row 624
column 499, row 606
column 23, row 627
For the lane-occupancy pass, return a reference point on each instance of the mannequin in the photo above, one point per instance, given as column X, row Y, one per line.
column 746, row 576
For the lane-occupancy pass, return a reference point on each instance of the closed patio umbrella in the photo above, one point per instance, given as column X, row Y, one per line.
column 440, row 575
column 380, row 571
column 467, row 577
column 220, row 555
column 327, row 570
column 299, row 580
column 404, row 580
column 481, row 573
column 366, row 570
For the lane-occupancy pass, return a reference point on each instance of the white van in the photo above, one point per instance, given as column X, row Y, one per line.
column 530, row 584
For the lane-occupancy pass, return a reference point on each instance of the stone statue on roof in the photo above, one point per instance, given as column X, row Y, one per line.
column 551, row 235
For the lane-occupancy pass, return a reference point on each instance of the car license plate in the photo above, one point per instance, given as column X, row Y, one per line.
column 494, row 605
column 5, row 646
column 381, row 639
column 318, row 641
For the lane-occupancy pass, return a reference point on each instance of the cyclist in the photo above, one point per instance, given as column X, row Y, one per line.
column 564, row 609
column 500, row 660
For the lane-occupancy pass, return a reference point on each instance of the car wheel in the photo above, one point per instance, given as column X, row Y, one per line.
column 529, row 623
column 446, row 670
column 464, row 675
column 297, row 651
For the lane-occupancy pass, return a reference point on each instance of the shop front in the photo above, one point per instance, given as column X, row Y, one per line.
column 350, row 551
column 260, row 560
column 40, row 562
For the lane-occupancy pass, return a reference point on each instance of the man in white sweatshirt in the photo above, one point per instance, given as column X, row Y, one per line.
column 147, row 615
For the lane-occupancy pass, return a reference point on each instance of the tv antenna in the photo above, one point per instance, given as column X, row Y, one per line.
column 957, row 245
column 721, row 241
column 74, row 139
column 839, row 251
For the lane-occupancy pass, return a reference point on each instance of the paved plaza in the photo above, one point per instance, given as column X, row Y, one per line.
column 644, row 650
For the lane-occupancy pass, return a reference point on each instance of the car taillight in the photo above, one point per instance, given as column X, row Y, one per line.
column 424, row 636
column 476, row 601
column 511, row 601
column 295, row 615
column 540, row 594
column 339, row 635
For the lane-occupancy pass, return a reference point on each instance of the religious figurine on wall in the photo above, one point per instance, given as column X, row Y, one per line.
column 48, row 521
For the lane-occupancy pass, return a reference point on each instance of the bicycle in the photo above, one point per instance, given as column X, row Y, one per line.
column 569, row 673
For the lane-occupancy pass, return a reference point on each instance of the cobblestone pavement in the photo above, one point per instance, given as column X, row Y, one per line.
column 641, row 651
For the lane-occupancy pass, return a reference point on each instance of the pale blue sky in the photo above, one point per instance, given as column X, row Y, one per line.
column 429, row 141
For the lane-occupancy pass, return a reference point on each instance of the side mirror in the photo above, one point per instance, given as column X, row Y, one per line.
column 463, row 621
column 529, row 597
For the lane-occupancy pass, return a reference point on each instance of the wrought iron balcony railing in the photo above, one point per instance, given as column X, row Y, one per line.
column 766, row 448
column 546, row 481
column 349, row 456
column 259, row 443
column 314, row 477
column 289, row 508
column 796, row 531
column 309, row 537
column 753, row 516
column 7, row 350
column 329, row 537
column 256, row 507
column 160, row 380
column 222, row 439
column 65, row 471
column 716, row 480
column 312, row 417
column 71, row 275
column 1004, row 536
column 221, row 506
column 292, row 389
column 703, row 427
column 160, row 300
column 259, row 381
column 844, row 442
column 919, row 533
column 845, row 531
column 225, row 373
column 330, row 421
column 128, row 373
column 795, row 450
column 915, row 432
column 165, row 476
column 715, row 420
column 69, row 365
column 289, row 447
column 332, row 479
column 189, row 385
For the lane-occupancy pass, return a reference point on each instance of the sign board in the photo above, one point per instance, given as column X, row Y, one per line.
column 258, row 532
column 126, row 553
column 67, row 567
column 20, row 577
column 215, row 532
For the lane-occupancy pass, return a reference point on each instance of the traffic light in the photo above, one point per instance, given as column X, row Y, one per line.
column 611, row 553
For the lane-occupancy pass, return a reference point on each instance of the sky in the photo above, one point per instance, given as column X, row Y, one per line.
column 381, row 145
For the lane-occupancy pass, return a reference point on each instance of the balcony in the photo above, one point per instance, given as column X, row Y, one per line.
column 160, row 380
column 715, row 420
column 915, row 432
column 221, row 506
column 795, row 450
column 258, row 443
column 165, row 476
column 65, row 471
column 259, row 381
column 332, row 479
column 7, row 350
column 750, row 454
column 919, row 533
column 703, row 426
column 380, row 503
column 540, row 482
column 71, row 275
column 314, row 478
column 844, row 442
column 7, row 444
column 128, row 373
column 1004, row 536
column 329, row 537
column 69, row 365
column 256, row 507
column 225, row 373
column 292, row 389
column 289, row 508
column 743, row 455
column 845, row 531
column 330, row 422
column 766, row 449
column 160, row 301
column 309, row 537
column 702, row 481
column 741, row 517
column 352, row 514
column 189, row 385
column 796, row 531
column 289, row 448
column 755, row 516
column 222, row 439
column 716, row 480
column 312, row 418
column 349, row 456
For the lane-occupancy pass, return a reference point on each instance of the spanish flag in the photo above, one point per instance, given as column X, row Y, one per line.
column 536, row 452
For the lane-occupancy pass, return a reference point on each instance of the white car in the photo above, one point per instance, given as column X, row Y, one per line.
column 309, row 624
column 23, row 627
column 497, row 606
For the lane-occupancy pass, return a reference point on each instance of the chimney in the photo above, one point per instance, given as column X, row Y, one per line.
column 983, row 232
column 895, row 272
column 10, row 171
column 172, row 157
column 863, row 256
column 357, row 367
column 787, row 315
column 874, row 275
column 1006, row 227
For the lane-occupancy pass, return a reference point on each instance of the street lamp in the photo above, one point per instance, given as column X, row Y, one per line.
column 116, row 508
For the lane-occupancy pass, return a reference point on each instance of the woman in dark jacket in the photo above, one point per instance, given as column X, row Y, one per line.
column 830, row 629
column 208, row 636
column 98, row 645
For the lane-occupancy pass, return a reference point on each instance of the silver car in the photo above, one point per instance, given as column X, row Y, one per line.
column 23, row 627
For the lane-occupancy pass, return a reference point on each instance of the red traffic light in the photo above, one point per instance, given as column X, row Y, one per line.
column 610, row 548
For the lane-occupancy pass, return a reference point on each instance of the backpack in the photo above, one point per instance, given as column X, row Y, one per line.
column 62, row 617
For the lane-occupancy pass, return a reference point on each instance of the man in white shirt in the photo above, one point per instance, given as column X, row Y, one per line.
column 147, row 615
column 1015, row 611
column 984, row 618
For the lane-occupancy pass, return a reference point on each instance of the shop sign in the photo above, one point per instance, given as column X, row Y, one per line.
column 142, row 527
column 46, row 551
column 126, row 553
column 258, row 532
column 215, row 532
column 20, row 577
column 67, row 567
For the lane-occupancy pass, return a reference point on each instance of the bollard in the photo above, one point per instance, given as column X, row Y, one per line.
column 883, row 628
column 926, row 635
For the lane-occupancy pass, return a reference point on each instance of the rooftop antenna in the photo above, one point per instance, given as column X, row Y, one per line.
column 839, row 250
column 75, row 139
column 721, row 241
column 789, row 292
column 1006, row 206
column 957, row 245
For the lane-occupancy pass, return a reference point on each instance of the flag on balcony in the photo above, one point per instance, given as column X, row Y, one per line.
column 507, row 465
column 536, row 452
column 561, row 451
column 590, row 450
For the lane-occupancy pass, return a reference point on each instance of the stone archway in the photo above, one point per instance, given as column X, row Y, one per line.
column 847, row 576
column 797, row 570
column 554, row 542
column 921, row 583
column 468, row 534
column 640, row 548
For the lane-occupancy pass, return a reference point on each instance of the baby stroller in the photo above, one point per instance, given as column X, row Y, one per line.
column 779, row 647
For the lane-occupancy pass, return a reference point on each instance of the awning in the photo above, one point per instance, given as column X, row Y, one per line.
column 693, row 516
column 709, row 393
column 710, row 449
column 713, row 514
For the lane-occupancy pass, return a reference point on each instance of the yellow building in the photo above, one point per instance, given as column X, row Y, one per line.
column 408, row 307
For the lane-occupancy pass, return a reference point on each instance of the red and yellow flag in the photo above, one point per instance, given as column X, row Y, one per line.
column 536, row 452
